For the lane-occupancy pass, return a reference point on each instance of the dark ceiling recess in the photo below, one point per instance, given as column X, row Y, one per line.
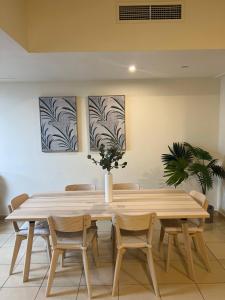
column 150, row 12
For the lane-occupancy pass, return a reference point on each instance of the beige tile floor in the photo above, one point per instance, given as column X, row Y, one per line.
column 134, row 278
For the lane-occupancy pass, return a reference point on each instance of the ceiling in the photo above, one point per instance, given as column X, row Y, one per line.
column 16, row 64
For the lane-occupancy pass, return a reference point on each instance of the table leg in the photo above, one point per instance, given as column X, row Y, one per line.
column 113, row 236
column 188, row 250
column 28, row 251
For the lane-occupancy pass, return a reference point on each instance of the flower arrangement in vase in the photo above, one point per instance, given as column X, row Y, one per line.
column 110, row 158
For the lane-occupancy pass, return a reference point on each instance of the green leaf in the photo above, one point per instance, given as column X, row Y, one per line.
column 218, row 171
column 204, row 175
column 199, row 153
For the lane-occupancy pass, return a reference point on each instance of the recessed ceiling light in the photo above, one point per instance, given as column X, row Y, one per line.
column 132, row 68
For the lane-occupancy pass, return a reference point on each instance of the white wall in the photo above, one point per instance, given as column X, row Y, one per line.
column 222, row 118
column 158, row 112
column 221, row 203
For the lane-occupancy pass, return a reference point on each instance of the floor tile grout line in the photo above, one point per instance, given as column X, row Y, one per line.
column 217, row 259
column 140, row 285
column 16, row 265
column 177, row 283
column 10, row 235
column 5, row 282
column 20, row 287
column 79, row 284
column 14, row 287
column 197, row 285
column 45, row 277
column 215, row 242
column 211, row 283
column 42, row 282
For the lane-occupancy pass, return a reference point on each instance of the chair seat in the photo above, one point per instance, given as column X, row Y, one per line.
column 74, row 240
column 175, row 226
column 41, row 228
column 130, row 239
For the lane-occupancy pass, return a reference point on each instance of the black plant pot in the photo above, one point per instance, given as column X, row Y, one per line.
column 210, row 210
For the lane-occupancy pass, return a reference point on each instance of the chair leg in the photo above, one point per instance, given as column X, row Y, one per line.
column 152, row 272
column 120, row 253
column 203, row 250
column 62, row 259
column 176, row 243
column 187, row 244
column 114, row 249
column 49, row 250
column 112, row 232
column 195, row 242
column 19, row 239
column 86, row 271
column 175, row 240
column 30, row 237
column 170, row 241
column 162, row 234
column 95, row 250
column 53, row 266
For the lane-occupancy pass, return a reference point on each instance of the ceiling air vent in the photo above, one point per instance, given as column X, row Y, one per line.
column 150, row 12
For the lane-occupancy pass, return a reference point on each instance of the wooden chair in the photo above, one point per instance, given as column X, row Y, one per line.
column 41, row 229
column 71, row 233
column 134, row 231
column 195, row 230
column 80, row 187
column 126, row 186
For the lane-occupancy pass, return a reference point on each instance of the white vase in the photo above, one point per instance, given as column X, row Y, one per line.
column 108, row 187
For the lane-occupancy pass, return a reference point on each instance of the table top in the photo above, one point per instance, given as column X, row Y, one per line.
column 166, row 204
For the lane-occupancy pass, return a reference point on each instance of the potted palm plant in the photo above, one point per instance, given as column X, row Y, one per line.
column 110, row 158
column 185, row 160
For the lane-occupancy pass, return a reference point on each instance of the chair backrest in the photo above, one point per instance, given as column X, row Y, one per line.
column 202, row 201
column 68, row 224
column 126, row 186
column 134, row 223
column 15, row 203
column 80, row 187
column 200, row 198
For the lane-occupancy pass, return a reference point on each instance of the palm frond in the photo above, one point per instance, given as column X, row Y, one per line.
column 95, row 137
column 218, row 171
column 66, row 138
column 118, row 109
column 199, row 153
column 176, row 151
column 176, row 171
column 114, row 136
column 46, row 139
column 98, row 108
column 204, row 175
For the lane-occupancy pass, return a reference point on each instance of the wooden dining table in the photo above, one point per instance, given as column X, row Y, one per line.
column 167, row 204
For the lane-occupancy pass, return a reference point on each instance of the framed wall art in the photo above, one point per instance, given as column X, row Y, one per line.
column 107, row 121
column 58, row 121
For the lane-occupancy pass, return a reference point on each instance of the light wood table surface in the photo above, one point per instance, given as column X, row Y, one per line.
column 166, row 205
